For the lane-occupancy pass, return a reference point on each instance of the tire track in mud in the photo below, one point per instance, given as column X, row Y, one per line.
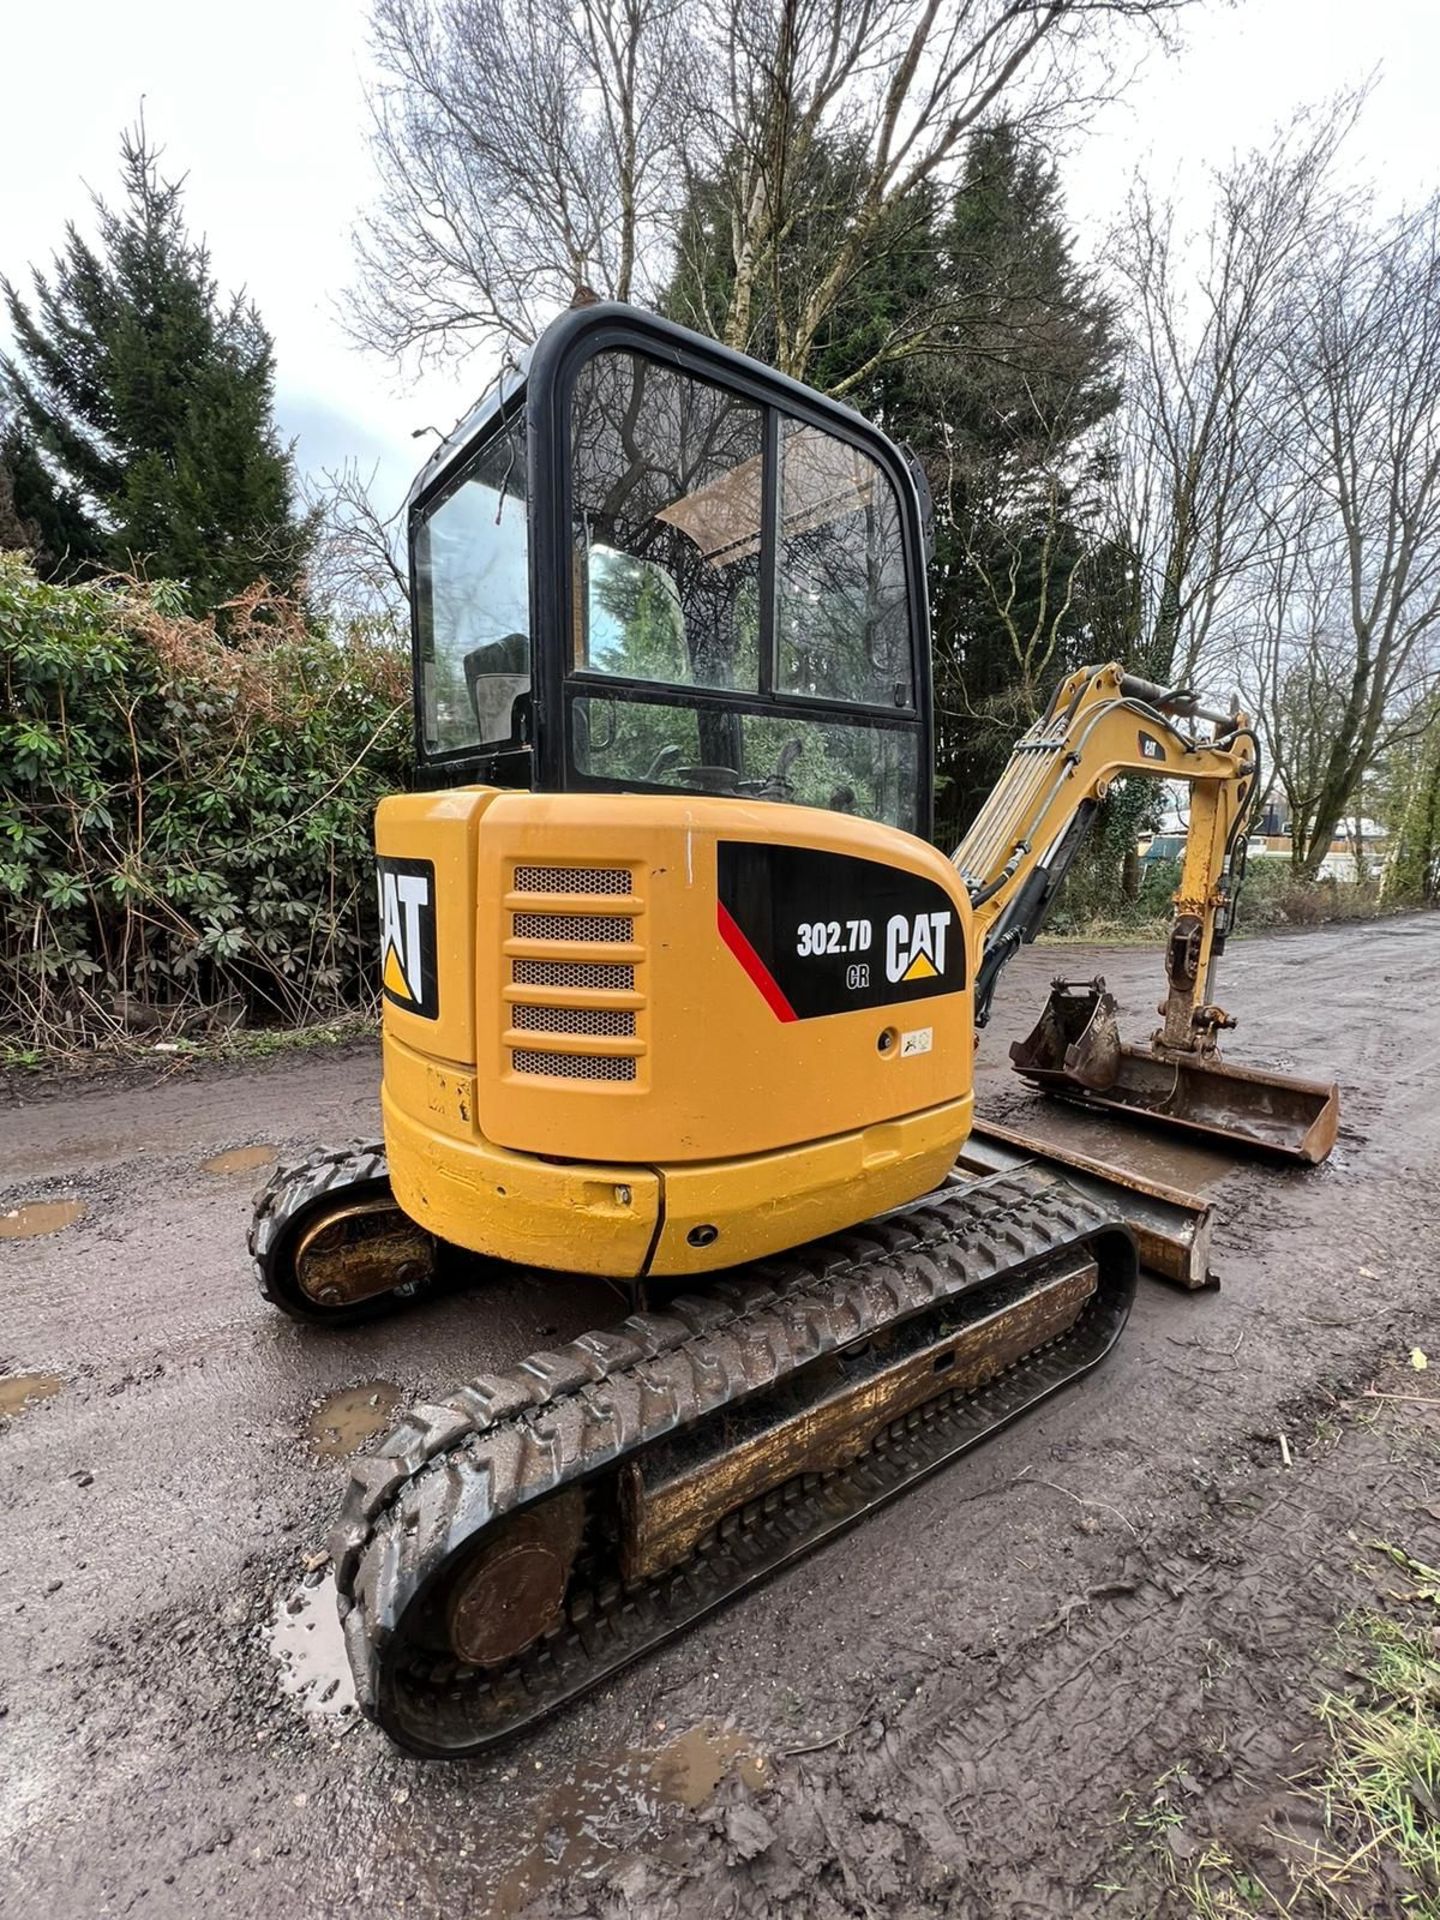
column 1120, row 1695
column 1004, row 1793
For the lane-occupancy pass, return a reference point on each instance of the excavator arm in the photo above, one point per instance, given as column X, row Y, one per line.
column 1103, row 724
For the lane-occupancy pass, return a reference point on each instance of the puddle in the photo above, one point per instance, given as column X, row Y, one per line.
column 599, row 1814
column 308, row 1643
column 17, row 1390
column 240, row 1160
column 344, row 1421
column 690, row 1769
column 1153, row 1154
column 28, row 1222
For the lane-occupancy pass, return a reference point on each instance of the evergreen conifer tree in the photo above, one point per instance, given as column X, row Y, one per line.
column 1003, row 415
column 143, row 438
column 15, row 533
column 37, row 516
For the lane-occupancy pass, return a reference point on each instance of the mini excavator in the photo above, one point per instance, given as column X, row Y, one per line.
column 678, row 994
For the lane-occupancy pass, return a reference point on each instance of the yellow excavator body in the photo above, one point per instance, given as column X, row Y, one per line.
column 678, row 994
column 637, row 1035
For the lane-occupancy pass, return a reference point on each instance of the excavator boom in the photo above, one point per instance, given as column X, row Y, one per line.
column 1101, row 725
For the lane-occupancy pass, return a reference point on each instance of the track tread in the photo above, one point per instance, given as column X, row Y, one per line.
column 294, row 1187
column 564, row 1415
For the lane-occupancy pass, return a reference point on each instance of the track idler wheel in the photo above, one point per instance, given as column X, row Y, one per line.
column 331, row 1245
column 360, row 1252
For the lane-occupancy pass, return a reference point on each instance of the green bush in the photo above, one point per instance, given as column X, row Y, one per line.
column 1093, row 902
column 1274, row 897
column 1094, row 906
column 185, row 819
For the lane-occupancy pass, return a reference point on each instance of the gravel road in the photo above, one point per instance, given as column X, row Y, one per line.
column 940, row 1713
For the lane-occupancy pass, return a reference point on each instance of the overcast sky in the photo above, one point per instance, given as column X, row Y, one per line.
column 263, row 106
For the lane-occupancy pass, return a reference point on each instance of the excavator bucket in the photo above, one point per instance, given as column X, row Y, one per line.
column 1076, row 1046
column 1076, row 1052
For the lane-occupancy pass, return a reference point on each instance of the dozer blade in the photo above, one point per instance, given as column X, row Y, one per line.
column 1076, row 1052
column 1172, row 1228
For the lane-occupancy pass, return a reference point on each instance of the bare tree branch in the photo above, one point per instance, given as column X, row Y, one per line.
column 529, row 147
column 358, row 563
column 1200, row 445
column 1349, row 650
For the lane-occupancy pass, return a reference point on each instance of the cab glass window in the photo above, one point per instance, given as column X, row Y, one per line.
column 848, row 766
column 842, row 616
column 472, row 598
column 666, row 500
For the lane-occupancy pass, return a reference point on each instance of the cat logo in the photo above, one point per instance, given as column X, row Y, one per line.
column 407, row 935
column 915, row 946
column 1150, row 747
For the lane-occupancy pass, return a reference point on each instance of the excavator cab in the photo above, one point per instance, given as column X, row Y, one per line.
column 671, row 927
column 648, row 565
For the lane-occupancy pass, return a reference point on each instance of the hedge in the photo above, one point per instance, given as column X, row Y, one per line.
column 185, row 813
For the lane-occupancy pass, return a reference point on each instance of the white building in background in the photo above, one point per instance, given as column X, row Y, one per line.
column 1271, row 840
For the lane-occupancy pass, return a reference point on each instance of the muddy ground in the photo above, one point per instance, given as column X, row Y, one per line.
column 955, row 1709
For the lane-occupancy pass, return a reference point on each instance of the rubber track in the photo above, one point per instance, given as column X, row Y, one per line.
column 450, row 1470
column 290, row 1191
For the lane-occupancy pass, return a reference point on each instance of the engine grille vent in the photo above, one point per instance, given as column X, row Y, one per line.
column 563, row 1036
column 572, row 880
column 610, row 1022
column 598, row 928
column 574, row 1066
column 602, row 975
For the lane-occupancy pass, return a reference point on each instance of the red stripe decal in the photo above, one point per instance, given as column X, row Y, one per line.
column 735, row 939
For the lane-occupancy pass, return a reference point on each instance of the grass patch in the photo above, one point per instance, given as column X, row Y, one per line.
column 124, row 1053
column 1375, row 1793
column 1203, row 1880
column 1218, row 1888
column 1381, row 1788
column 22, row 1059
column 260, row 1043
